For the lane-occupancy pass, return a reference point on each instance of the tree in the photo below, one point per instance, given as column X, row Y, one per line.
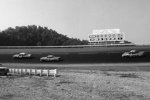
column 33, row 35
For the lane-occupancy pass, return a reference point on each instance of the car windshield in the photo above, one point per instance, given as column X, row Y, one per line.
column 22, row 53
column 133, row 51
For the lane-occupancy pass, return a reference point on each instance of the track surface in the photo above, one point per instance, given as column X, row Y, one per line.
column 111, row 83
column 77, row 55
column 98, row 66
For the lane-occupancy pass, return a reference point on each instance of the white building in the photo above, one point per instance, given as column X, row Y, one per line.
column 106, row 36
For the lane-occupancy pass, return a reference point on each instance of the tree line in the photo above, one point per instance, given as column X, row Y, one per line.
column 33, row 35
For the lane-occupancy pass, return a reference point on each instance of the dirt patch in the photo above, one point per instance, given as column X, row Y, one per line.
column 129, row 75
column 77, row 85
column 7, row 96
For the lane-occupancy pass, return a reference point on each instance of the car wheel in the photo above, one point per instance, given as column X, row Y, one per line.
column 41, row 60
column 15, row 57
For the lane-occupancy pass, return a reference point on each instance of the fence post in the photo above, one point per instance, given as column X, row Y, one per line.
column 29, row 72
column 54, row 74
column 25, row 71
column 41, row 72
column 47, row 72
column 18, row 71
column 35, row 72
column 12, row 70
column 21, row 72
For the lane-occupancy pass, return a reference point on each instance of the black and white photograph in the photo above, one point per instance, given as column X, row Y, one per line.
column 74, row 50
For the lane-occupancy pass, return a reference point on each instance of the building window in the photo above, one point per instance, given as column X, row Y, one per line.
column 92, row 39
column 92, row 36
column 113, row 35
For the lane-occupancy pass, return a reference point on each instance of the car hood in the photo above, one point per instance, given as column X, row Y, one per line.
column 57, row 57
column 15, row 54
column 28, row 54
column 43, row 58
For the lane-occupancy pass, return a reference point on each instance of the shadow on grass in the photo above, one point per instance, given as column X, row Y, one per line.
column 129, row 75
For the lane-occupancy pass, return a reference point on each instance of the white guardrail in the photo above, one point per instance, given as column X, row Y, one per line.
column 70, row 46
column 40, row 72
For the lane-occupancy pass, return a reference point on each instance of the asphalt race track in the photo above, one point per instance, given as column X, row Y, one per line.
column 96, row 66
column 77, row 55
column 78, row 58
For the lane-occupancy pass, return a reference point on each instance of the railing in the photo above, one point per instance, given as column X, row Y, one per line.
column 71, row 46
column 41, row 72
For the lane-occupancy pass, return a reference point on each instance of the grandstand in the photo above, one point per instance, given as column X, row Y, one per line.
column 107, row 37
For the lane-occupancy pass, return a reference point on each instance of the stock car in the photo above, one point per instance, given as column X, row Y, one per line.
column 132, row 54
column 22, row 55
column 50, row 58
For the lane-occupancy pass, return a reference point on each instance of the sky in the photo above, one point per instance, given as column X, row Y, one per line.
column 78, row 18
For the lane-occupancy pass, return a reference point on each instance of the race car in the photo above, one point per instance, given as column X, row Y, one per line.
column 132, row 54
column 50, row 58
column 22, row 55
